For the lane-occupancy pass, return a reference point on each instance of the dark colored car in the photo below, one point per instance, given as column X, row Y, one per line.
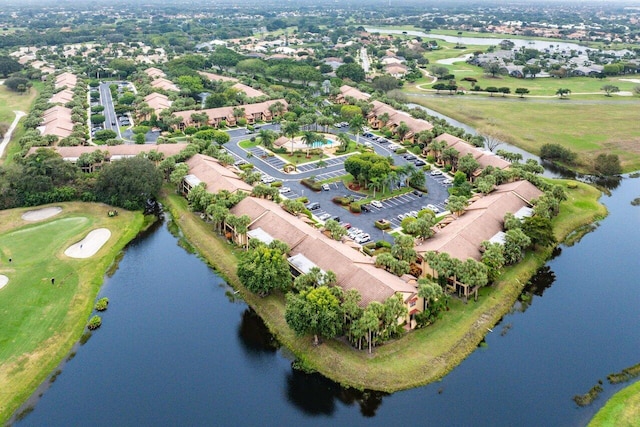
column 365, row 208
column 313, row 206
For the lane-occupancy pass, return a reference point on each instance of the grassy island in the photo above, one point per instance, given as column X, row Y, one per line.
column 623, row 409
column 419, row 357
column 49, row 296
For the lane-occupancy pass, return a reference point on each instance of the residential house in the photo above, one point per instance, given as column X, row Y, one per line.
column 311, row 248
column 251, row 112
column 482, row 220
column 154, row 73
column 65, row 80
column 215, row 176
column 158, row 102
column 62, row 97
column 396, row 70
column 484, row 157
column 57, row 121
column 164, row 84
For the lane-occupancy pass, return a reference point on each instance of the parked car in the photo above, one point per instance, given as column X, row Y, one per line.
column 324, row 216
column 401, row 217
column 376, row 204
column 313, row 206
column 436, row 172
column 267, row 179
column 417, row 193
column 346, row 225
column 433, row 208
column 284, row 190
column 413, row 214
column 365, row 208
column 364, row 238
column 325, row 187
column 419, row 163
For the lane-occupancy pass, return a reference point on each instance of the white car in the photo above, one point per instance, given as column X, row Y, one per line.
column 284, row 190
column 376, row 204
column 324, row 216
column 267, row 179
column 413, row 214
column 363, row 238
column 401, row 217
column 436, row 172
column 433, row 208
column 325, row 187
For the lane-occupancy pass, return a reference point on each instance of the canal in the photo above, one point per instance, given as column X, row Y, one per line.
column 176, row 348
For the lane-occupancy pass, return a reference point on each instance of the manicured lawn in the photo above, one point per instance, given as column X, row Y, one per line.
column 587, row 128
column 622, row 410
column 40, row 321
column 417, row 358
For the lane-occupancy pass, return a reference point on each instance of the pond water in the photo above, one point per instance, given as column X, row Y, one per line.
column 494, row 40
column 175, row 348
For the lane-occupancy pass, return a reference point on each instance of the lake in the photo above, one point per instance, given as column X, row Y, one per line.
column 176, row 348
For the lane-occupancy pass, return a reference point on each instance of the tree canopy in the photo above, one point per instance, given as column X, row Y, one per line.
column 128, row 183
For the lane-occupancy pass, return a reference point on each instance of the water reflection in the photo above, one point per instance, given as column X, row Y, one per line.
column 254, row 335
column 316, row 395
column 540, row 282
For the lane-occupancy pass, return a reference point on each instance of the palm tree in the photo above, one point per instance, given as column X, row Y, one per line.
column 384, row 119
column 309, row 138
column 356, row 124
column 402, row 130
column 436, row 147
column 344, row 141
column 267, row 137
column 290, row 130
column 376, row 183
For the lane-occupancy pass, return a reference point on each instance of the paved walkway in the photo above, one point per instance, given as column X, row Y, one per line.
column 7, row 136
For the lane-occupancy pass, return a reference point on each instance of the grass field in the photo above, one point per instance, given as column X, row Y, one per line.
column 40, row 321
column 587, row 128
column 622, row 410
column 11, row 101
column 540, row 86
column 417, row 358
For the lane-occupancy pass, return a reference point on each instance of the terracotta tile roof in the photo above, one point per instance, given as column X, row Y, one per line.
column 164, row 84
column 224, row 113
column 215, row 175
column 57, row 121
column 462, row 238
column 353, row 269
column 346, row 90
column 485, row 158
column 217, row 77
column 62, row 97
column 154, row 72
column 66, row 79
column 157, row 101
column 248, row 90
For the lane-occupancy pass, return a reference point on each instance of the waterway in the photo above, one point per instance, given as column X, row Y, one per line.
column 494, row 40
column 176, row 348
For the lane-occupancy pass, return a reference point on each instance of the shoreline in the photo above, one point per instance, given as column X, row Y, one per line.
column 417, row 358
column 37, row 365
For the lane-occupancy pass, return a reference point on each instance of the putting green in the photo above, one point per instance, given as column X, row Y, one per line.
column 49, row 297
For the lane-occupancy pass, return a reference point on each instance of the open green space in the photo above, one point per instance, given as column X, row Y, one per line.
column 586, row 128
column 11, row 101
column 40, row 320
column 539, row 86
column 622, row 410
column 417, row 358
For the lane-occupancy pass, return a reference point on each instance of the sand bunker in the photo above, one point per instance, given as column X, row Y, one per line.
column 3, row 281
column 41, row 214
column 91, row 244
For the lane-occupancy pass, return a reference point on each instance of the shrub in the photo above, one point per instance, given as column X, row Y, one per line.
column 383, row 244
column 246, row 166
column 342, row 201
column 101, row 304
column 401, row 150
column 303, row 199
column 276, row 184
column 355, row 207
column 94, row 323
column 431, row 159
column 312, row 184
column 382, row 224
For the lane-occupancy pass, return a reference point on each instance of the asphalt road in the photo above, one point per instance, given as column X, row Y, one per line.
column 391, row 208
column 111, row 120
